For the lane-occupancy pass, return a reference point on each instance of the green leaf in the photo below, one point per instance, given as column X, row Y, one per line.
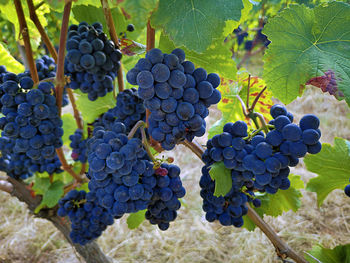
column 138, row 11
column 245, row 14
column 41, row 184
column 325, row 255
column 69, row 127
column 90, row 110
column 332, row 165
column 12, row 65
column 230, row 106
column 83, row 187
column 195, row 23
column 53, row 194
column 222, row 177
column 283, row 201
column 217, row 58
column 308, row 43
column 135, row 219
column 92, row 14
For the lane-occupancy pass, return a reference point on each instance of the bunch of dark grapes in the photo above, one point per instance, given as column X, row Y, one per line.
column 92, row 61
column 88, row 218
column 31, row 123
column 78, row 144
column 177, row 95
column 167, row 189
column 231, row 148
column 20, row 166
column 249, row 44
column 119, row 170
column 258, row 162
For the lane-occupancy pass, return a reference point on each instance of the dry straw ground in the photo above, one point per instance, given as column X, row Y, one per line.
column 24, row 238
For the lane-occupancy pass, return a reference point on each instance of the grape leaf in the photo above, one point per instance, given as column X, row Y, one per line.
column 335, row 255
column 245, row 14
column 195, row 24
column 69, row 127
column 53, row 194
column 8, row 12
column 138, row 11
column 92, row 14
column 217, row 58
column 12, row 65
column 283, row 201
column 222, row 177
column 230, row 106
column 306, row 43
column 90, row 110
column 83, row 187
column 332, row 165
column 135, row 219
column 41, row 184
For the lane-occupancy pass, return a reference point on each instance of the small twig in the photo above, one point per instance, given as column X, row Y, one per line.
column 26, row 39
column 60, row 81
column 195, row 148
column 112, row 32
column 66, row 166
column 44, row 36
column 248, row 92
column 39, row 5
column 251, row 109
column 245, row 113
column 77, row 117
column 83, row 169
column 135, row 128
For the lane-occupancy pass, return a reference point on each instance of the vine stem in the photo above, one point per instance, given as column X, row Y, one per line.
column 60, row 81
column 112, row 32
column 257, row 99
column 77, row 117
column 244, row 109
column 282, row 248
column 151, row 35
column 44, row 36
column 26, row 39
column 262, row 121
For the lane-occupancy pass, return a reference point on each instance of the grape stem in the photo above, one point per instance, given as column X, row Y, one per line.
column 83, row 169
column 282, row 249
column 244, row 109
column 248, row 92
column 262, row 121
column 26, row 39
column 146, row 144
column 77, row 117
column 44, row 36
column 112, row 32
column 60, row 81
column 135, row 128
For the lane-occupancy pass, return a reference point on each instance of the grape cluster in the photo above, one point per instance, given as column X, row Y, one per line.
column 20, row 166
column 119, row 170
column 92, row 61
column 249, row 44
column 177, row 95
column 31, row 123
column 88, row 218
column 256, row 161
column 78, row 144
column 167, row 189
